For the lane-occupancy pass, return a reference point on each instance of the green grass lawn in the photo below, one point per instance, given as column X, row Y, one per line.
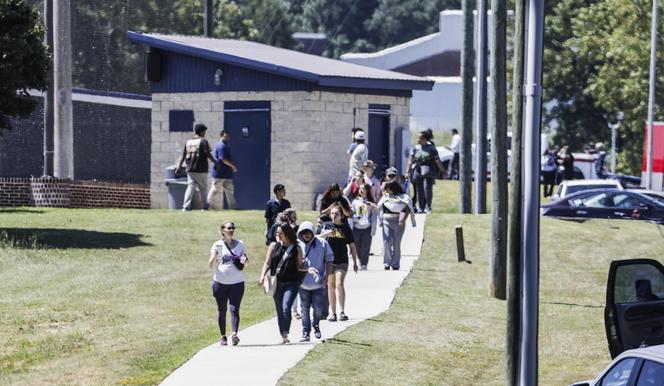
column 443, row 329
column 123, row 297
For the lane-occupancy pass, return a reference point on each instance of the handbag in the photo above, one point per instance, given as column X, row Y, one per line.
column 270, row 282
column 236, row 261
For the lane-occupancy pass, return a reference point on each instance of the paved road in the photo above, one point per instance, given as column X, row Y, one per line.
column 260, row 360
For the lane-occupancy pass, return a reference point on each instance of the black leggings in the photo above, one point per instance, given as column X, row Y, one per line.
column 228, row 293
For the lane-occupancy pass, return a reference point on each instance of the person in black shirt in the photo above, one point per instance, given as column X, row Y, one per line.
column 339, row 236
column 195, row 154
column 273, row 207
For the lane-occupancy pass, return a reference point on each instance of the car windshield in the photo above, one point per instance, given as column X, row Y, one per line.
column 577, row 188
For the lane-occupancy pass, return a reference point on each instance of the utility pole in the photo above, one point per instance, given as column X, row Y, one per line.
column 480, row 102
column 63, row 127
column 48, row 95
column 515, row 220
column 209, row 8
column 651, row 91
column 467, row 61
column 498, row 287
column 531, row 194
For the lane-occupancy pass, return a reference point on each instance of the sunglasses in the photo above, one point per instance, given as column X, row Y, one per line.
column 230, row 228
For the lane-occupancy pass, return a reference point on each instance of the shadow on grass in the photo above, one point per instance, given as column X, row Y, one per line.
column 21, row 210
column 347, row 342
column 37, row 238
column 573, row 304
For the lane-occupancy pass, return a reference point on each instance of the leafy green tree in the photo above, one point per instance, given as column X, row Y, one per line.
column 24, row 61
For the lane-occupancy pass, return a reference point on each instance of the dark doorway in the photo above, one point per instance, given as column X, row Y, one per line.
column 249, row 124
column 379, row 136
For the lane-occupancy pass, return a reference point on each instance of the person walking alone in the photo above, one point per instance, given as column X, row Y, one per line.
column 359, row 156
column 228, row 258
column 364, row 223
column 284, row 260
column 318, row 258
column 394, row 207
column 222, row 174
column 196, row 154
column 273, row 207
column 422, row 165
column 453, row 172
column 340, row 238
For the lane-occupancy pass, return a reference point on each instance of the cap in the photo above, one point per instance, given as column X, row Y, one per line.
column 359, row 135
column 391, row 171
column 369, row 164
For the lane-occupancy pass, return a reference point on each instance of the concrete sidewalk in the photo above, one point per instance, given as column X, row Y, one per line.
column 260, row 360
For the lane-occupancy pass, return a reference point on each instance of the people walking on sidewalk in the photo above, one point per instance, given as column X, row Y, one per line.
column 195, row 155
column 365, row 214
column 423, row 166
column 318, row 258
column 222, row 174
column 273, row 207
column 340, row 239
column 284, row 260
column 228, row 258
column 393, row 209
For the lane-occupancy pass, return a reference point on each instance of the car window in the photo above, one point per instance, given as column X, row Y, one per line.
column 577, row 188
column 652, row 373
column 637, row 283
column 598, row 200
column 656, row 197
column 626, row 201
column 619, row 374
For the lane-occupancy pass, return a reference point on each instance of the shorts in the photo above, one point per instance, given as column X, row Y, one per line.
column 340, row 267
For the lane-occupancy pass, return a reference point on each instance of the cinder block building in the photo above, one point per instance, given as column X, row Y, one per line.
column 289, row 113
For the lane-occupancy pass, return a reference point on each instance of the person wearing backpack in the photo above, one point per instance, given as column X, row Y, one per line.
column 284, row 261
column 549, row 168
column 318, row 258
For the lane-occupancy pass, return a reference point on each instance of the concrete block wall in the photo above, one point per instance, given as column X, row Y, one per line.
column 310, row 135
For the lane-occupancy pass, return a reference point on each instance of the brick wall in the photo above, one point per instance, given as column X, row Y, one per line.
column 53, row 192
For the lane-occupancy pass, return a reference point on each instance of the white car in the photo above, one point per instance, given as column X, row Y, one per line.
column 568, row 187
column 641, row 366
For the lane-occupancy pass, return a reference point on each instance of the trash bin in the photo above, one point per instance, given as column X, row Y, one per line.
column 176, row 189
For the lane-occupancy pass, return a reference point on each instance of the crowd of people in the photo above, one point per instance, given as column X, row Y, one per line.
column 309, row 261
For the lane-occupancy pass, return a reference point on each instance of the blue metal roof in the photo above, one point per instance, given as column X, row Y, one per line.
column 311, row 68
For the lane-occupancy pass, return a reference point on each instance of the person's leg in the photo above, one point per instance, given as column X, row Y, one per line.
column 421, row 194
column 295, row 304
column 290, row 292
column 214, row 194
column 189, row 193
column 365, row 246
column 229, row 192
column 305, row 305
column 396, row 246
column 235, row 295
column 358, row 235
column 428, row 190
column 331, row 293
column 203, row 179
column 455, row 166
column 318, row 302
column 387, row 242
column 340, row 277
column 278, row 301
column 220, row 293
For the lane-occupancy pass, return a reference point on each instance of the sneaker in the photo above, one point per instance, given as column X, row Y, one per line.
column 343, row 316
column 297, row 315
column 284, row 339
column 387, row 267
column 235, row 339
column 305, row 338
column 332, row 318
column 317, row 332
column 427, row 210
column 395, row 268
column 363, row 267
column 223, row 341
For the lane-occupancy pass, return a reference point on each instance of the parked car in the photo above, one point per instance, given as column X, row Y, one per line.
column 568, row 187
column 606, row 203
column 654, row 194
column 634, row 323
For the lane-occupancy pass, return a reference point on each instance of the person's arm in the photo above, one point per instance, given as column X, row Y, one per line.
column 345, row 208
column 184, row 155
column 266, row 264
column 348, row 189
column 229, row 164
column 214, row 254
column 353, row 252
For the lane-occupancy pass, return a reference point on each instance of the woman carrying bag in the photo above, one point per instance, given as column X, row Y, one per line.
column 228, row 258
column 284, row 261
column 394, row 207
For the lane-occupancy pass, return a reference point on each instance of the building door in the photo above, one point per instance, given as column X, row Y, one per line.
column 379, row 136
column 249, row 125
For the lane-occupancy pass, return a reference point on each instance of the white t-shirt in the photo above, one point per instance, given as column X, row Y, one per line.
column 357, row 159
column 454, row 144
column 227, row 272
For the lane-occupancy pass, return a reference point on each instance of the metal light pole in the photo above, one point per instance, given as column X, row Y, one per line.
column 63, row 141
column 531, row 197
column 208, row 18
column 614, row 129
column 48, row 95
column 651, row 91
column 480, row 103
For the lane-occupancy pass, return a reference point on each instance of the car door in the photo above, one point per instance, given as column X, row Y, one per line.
column 634, row 312
column 624, row 205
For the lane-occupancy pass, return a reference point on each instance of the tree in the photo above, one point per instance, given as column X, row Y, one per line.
column 24, row 61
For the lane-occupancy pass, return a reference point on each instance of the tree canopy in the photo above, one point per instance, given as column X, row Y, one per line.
column 24, row 60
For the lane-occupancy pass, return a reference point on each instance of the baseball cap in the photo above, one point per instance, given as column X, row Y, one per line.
column 369, row 164
column 391, row 171
column 359, row 135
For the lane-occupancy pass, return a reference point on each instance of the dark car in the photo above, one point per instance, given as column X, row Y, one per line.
column 607, row 203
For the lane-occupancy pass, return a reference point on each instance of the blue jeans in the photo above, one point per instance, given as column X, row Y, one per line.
column 309, row 298
column 424, row 186
column 284, row 296
column 392, row 235
column 363, row 244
